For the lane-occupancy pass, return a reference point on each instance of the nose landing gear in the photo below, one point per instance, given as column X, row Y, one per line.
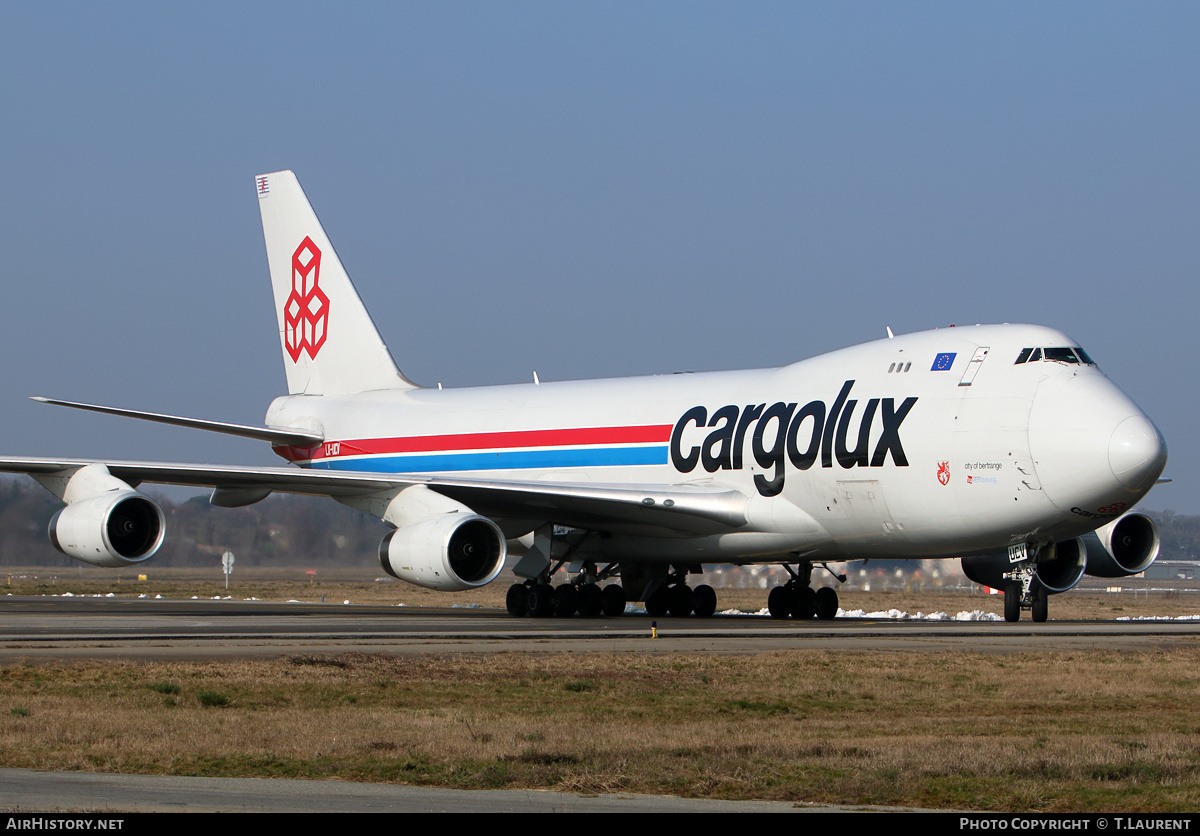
column 1024, row 590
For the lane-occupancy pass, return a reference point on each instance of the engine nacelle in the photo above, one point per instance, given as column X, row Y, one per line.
column 449, row 552
column 1059, row 567
column 1123, row 547
column 114, row 529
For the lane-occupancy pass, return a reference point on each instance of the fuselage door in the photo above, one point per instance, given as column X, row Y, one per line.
column 973, row 367
column 863, row 503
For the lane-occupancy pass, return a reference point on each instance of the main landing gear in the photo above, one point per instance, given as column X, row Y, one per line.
column 584, row 596
column 797, row 599
column 541, row 600
column 676, row 598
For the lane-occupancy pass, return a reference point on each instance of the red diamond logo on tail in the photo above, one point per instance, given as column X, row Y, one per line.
column 306, row 311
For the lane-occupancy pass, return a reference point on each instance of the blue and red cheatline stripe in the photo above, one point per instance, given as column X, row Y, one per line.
column 574, row 447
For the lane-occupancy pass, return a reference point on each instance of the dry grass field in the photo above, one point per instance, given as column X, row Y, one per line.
column 1022, row 732
column 1018, row 732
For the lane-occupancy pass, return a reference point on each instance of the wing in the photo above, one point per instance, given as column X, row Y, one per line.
column 689, row 509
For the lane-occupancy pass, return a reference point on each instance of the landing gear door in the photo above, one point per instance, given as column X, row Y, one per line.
column 973, row 367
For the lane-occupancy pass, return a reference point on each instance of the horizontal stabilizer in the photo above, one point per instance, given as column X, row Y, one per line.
column 298, row 438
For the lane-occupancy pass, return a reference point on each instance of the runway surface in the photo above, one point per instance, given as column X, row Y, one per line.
column 61, row 628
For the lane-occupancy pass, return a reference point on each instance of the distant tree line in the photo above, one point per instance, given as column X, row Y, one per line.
column 1179, row 534
column 286, row 530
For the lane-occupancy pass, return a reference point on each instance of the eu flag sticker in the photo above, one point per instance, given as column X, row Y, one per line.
column 944, row 361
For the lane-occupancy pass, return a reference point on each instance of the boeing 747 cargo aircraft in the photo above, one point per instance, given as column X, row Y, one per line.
column 1002, row 445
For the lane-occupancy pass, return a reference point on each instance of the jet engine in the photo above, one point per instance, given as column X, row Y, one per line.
column 450, row 552
column 114, row 529
column 1123, row 547
column 1059, row 566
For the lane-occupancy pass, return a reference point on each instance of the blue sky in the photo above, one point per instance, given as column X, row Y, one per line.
column 588, row 190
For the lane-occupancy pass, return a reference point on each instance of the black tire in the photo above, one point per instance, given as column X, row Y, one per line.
column 779, row 602
column 612, row 600
column 566, row 600
column 826, row 603
column 591, row 601
column 1041, row 606
column 679, row 602
column 804, row 606
column 1012, row 603
column 540, row 600
column 517, row 600
column 704, row 601
column 658, row 602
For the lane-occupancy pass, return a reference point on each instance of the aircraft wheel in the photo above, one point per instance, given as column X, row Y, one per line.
column 613, row 600
column 566, row 599
column 779, row 602
column 805, row 604
column 517, row 600
column 680, row 600
column 1041, row 606
column 1012, row 602
column 704, row 601
column 591, row 600
column 826, row 602
column 540, row 600
column 658, row 602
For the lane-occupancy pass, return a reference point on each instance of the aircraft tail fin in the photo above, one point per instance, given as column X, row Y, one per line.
column 330, row 345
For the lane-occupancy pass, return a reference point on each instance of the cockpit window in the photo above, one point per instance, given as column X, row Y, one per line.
column 1062, row 355
column 1059, row 355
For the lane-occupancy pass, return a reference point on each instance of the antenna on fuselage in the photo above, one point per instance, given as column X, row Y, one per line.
column 891, row 336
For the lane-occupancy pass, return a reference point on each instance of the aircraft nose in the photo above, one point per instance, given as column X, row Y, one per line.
column 1092, row 446
column 1137, row 453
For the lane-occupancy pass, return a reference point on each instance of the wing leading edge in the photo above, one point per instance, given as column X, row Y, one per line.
column 682, row 509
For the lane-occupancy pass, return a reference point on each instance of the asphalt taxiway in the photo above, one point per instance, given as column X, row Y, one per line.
column 62, row 628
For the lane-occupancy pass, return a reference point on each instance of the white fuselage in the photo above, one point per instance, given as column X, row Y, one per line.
column 892, row 448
